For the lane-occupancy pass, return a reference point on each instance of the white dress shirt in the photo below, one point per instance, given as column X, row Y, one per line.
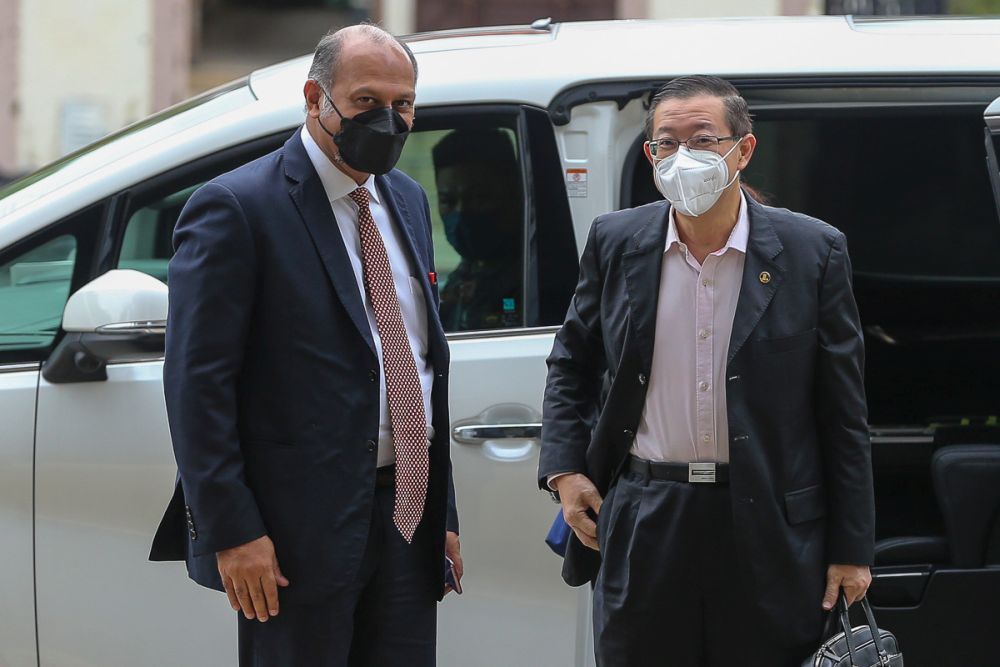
column 685, row 417
column 409, row 291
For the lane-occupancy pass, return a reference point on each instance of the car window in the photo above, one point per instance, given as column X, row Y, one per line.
column 472, row 172
column 34, row 286
column 908, row 190
column 153, row 207
column 147, row 245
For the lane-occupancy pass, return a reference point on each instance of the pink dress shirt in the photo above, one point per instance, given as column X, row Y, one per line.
column 685, row 417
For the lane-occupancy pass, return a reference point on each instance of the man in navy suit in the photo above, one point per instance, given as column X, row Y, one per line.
column 306, row 379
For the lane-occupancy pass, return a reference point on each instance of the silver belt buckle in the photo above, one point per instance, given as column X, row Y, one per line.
column 701, row 472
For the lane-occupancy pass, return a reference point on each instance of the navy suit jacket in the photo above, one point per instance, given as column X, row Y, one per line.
column 271, row 378
column 800, row 461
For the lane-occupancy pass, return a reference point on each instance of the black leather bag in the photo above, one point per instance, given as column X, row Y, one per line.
column 861, row 646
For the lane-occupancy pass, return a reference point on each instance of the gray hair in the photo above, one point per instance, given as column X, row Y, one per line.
column 326, row 57
column 685, row 87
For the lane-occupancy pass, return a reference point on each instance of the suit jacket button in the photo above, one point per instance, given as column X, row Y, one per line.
column 629, row 434
column 642, row 378
column 373, row 375
column 370, row 445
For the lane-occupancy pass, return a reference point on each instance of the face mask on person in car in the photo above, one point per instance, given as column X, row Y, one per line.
column 693, row 181
column 479, row 236
column 371, row 141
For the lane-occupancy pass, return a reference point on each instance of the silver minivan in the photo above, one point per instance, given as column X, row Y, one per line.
column 888, row 129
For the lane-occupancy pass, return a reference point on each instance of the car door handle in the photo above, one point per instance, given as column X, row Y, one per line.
column 476, row 434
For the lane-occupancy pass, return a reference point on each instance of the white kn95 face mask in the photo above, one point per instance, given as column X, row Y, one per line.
column 692, row 181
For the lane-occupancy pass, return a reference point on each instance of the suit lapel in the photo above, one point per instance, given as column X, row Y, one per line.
column 757, row 289
column 310, row 199
column 642, row 265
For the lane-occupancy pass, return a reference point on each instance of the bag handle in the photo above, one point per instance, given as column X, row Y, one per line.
column 845, row 624
column 883, row 656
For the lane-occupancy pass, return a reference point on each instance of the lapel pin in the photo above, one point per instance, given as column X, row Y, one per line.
column 433, row 277
column 764, row 277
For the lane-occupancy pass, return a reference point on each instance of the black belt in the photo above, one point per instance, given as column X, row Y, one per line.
column 385, row 476
column 696, row 473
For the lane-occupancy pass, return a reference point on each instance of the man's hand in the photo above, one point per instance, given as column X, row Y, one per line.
column 251, row 576
column 453, row 549
column 855, row 580
column 578, row 495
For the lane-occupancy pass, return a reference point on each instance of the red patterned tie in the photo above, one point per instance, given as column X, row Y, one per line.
column 402, row 385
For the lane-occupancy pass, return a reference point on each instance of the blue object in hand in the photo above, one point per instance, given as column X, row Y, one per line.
column 558, row 536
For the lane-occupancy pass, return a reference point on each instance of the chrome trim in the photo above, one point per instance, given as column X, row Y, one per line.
column 903, row 435
column 500, row 333
column 20, row 367
column 474, row 434
column 150, row 327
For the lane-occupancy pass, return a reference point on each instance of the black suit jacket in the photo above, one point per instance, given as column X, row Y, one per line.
column 271, row 377
column 801, row 478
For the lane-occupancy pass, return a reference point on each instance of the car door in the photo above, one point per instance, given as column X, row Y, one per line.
column 36, row 275
column 506, row 265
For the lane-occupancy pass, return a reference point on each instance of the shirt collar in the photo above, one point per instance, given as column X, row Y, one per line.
column 336, row 183
column 738, row 238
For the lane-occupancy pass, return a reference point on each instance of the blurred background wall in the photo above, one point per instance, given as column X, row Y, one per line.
column 74, row 70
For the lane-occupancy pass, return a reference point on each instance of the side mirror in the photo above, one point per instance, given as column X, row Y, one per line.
column 119, row 317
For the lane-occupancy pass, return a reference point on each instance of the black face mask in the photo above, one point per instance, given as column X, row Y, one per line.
column 371, row 141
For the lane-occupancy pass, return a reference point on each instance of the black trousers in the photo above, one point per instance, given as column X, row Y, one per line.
column 387, row 618
column 669, row 592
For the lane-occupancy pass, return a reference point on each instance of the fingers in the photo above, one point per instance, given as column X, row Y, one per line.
column 234, row 602
column 256, row 589
column 279, row 578
column 584, row 528
column 270, row 587
column 832, row 589
column 243, row 595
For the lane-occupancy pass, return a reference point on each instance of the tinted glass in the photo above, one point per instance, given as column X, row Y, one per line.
column 147, row 244
column 910, row 191
column 34, row 287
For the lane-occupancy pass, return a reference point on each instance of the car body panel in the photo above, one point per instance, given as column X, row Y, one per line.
column 18, row 386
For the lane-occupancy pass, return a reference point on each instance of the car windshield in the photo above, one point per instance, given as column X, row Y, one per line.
column 164, row 124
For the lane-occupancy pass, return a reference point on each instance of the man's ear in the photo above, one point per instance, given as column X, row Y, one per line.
column 312, row 94
column 746, row 149
column 649, row 156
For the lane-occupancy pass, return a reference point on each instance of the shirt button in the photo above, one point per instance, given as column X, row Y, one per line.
column 703, row 386
column 370, row 445
column 706, row 283
column 704, row 333
column 706, row 437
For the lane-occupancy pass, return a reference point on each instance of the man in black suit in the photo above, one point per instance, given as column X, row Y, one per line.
column 705, row 425
column 306, row 381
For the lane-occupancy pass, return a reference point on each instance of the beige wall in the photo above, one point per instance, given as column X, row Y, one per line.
column 173, row 34
column 9, row 30
column 88, row 56
column 398, row 16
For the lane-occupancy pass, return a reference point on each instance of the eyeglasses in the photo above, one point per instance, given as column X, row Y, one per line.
column 661, row 148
